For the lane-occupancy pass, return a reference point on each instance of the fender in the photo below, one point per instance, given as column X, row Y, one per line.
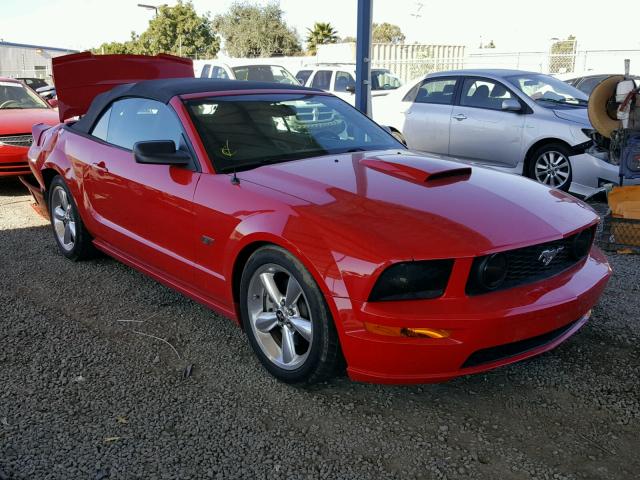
column 319, row 262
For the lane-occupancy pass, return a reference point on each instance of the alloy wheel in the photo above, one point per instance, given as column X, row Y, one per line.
column 63, row 218
column 552, row 168
column 280, row 316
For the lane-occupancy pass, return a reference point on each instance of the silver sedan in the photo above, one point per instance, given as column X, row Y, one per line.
column 520, row 122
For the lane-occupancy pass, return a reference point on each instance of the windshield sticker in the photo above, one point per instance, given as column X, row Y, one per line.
column 226, row 151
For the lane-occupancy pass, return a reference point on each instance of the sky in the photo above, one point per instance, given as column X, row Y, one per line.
column 513, row 26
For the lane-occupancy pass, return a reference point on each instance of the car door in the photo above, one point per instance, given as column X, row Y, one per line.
column 426, row 109
column 322, row 80
column 481, row 130
column 344, row 86
column 143, row 210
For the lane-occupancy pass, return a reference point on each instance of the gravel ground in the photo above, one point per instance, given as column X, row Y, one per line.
column 85, row 395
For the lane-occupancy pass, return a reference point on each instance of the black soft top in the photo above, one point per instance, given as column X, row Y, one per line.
column 164, row 90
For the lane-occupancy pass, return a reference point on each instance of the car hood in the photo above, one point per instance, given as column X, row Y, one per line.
column 19, row 121
column 404, row 205
column 577, row 115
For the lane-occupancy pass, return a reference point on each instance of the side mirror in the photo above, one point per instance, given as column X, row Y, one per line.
column 53, row 102
column 511, row 105
column 160, row 152
column 351, row 88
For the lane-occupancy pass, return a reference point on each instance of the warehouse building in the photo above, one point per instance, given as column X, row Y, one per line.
column 21, row 60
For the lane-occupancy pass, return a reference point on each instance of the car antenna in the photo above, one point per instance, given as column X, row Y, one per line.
column 235, row 180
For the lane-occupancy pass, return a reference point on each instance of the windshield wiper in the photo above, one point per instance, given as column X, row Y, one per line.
column 563, row 102
column 259, row 162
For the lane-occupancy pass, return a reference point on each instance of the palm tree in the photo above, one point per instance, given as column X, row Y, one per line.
column 321, row 34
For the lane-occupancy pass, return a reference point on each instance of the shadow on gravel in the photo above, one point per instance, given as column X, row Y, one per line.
column 11, row 187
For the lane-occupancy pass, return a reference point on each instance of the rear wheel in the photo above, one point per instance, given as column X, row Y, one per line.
column 550, row 165
column 286, row 318
column 73, row 239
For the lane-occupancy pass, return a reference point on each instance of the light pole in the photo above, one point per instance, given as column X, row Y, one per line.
column 151, row 7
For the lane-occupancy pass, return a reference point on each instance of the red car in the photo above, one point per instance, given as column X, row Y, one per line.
column 287, row 210
column 20, row 109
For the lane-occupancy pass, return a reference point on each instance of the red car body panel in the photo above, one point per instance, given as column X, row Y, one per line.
column 18, row 122
column 346, row 218
column 80, row 77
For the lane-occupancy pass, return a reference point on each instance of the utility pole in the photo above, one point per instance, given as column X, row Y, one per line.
column 363, row 56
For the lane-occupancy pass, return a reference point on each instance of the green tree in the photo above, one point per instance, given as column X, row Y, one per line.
column 387, row 33
column 256, row 31
column 178, row 30
column 321, row 34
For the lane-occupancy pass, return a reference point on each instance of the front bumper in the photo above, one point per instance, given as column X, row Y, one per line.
column 590, row 173
column 13, row 161
column 487, row 331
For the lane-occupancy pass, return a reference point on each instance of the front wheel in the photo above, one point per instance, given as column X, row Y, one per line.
column 550, row 165
column 286, row 318
column 73, row 239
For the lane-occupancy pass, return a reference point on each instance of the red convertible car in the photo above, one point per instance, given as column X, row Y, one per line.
column 20, row 109
column 287, row 210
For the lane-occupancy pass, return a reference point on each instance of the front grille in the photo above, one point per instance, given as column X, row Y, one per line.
column 493, row 354
column 14, row 168
column 17, row 140
column 314, row 114
column 524, row 265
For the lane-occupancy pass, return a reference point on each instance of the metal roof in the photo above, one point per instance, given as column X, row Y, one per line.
column 42, row 47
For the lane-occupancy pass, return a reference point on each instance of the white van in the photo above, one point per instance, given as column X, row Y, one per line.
column 340, row 80
column 254, row 72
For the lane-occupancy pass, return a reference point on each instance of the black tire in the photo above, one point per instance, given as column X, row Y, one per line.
column 324, row 354
column 536, row 159
column 82, row 247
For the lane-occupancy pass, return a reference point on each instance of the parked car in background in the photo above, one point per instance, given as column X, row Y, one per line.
column 520, row 122
column 20, row 109
column 34, row 83
column 253, row 72
column 341, row 80
column 587, row 82
column 49, row 94
column 321, row 242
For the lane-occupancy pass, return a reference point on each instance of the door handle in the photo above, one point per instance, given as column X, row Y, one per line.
column 460, row 117
column 406, row 112
column 100, row 166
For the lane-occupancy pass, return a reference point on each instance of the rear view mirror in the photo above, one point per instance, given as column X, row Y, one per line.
column 511, row 105
column 160, row 152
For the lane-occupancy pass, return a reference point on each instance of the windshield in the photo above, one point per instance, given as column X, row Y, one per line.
column 549, row 91
column 15, row 96
column 382, row 79
column 246, row 131
column 265, row 73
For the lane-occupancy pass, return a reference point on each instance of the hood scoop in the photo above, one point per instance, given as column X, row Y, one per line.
column 431, row 173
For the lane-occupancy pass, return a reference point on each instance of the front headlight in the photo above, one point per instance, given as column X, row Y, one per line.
column 412, row 281
column 581, row 244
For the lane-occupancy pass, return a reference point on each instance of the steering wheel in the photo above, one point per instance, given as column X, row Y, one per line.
column 8, row 102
